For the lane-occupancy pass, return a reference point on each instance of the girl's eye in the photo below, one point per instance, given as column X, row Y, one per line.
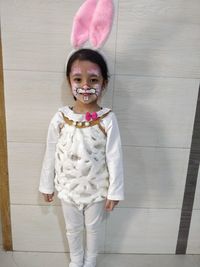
column 78, row 80
column 94, row 80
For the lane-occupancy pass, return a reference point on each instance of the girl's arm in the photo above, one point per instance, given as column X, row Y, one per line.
column 114, row 163
column 46, row 186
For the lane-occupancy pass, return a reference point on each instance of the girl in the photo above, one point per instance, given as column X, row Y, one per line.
column 83, row 157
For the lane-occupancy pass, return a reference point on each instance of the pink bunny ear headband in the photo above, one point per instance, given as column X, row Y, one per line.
column 93, row 22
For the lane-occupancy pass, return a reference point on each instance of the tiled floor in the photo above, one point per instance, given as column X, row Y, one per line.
column 36, row 259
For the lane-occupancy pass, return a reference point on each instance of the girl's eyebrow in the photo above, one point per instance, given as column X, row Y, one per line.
column 76, row 71
column 76, row 74
column 93, row 72
column 94, row 75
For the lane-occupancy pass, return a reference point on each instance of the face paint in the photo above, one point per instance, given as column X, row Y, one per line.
column 74, row 87
column 94, row 72
column 86, row 91
column 92, row 78
column 98, row 89
column 76, row 71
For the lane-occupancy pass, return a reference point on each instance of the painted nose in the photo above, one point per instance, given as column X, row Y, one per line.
column 85, row 87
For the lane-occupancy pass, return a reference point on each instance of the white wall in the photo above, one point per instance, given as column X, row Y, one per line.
column 153, row 53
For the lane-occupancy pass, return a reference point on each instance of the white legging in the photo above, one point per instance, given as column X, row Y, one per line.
column 90, row 218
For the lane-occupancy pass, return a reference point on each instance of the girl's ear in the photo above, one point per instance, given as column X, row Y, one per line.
column 81, row 23
column 101, row 23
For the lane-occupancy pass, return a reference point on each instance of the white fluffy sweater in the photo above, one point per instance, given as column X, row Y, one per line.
column 83, row 164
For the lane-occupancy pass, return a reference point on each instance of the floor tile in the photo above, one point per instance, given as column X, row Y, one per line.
column 6, row 259
column 132, row 260
column 38, row 259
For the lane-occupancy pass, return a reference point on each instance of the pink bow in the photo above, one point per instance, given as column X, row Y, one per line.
column 89, row 116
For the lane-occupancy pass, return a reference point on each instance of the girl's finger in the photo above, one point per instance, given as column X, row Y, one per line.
column 109, row 205
column 50, row 197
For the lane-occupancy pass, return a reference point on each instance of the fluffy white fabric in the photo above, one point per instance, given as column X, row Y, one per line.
column 80, row 164
column 83, row 164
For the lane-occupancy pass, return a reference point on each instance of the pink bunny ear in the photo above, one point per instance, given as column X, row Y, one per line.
column 101, row 22
column 81, row 23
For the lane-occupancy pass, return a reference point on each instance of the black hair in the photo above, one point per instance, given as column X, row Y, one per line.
column 89, row 55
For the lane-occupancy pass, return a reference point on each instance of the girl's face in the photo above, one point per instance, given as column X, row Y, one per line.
column 86, row 81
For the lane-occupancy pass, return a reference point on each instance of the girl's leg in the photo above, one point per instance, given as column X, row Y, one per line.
column 74, row 225
column 93, row 219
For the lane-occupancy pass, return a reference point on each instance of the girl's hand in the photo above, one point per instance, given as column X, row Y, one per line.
column 110, row 204
column 48, row 197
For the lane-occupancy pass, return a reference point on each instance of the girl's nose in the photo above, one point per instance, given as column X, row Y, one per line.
column 85, row 86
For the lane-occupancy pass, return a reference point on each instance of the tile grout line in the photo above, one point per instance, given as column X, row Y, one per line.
column 139, row 146
column 115, row 54
column 120, row 207
column 111, row 74
column 14, row 259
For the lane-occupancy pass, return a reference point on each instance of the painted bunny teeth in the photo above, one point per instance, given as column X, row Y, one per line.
column 89, row 91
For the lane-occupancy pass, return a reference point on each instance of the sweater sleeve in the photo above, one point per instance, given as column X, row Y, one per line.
column 114, row 161
column 48, row 167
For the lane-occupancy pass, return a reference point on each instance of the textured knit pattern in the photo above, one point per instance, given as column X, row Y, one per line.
column 80, row 165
